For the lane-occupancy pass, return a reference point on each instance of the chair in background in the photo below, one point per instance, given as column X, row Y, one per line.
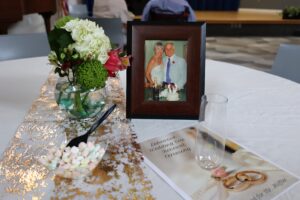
column 113, row 28
column 157, row 14
column 287, row 62
column 23, row 46
column 78, row 10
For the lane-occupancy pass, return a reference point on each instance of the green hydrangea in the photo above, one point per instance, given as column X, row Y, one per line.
column 91, row 74
column 62, row 21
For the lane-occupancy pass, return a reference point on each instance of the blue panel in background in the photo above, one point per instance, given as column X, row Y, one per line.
column 229, row 5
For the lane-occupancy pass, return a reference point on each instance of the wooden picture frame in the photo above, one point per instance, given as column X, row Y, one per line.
column 147, row 98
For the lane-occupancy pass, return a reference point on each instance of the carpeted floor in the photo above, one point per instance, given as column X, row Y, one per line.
column 254, row 52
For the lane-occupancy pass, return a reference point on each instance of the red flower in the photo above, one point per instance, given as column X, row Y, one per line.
column 116, row 63
column 70, row 64
column 65, row 66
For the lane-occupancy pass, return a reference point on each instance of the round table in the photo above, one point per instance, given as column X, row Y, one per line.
column 263, row 112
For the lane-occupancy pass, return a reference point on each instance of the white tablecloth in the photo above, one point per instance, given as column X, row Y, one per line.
column 263, row 112
column 20, row 83
column 263, row 115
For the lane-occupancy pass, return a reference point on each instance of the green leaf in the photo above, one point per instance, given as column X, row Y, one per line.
column 59, row 39
column 65, row 39
column 113, row 45
column 60, row 72
column 57, row 69
column 122, row 54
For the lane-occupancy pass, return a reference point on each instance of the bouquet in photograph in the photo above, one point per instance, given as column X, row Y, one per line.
column 82, row 54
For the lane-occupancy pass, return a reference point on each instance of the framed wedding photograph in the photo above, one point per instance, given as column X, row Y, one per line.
column 167, row 74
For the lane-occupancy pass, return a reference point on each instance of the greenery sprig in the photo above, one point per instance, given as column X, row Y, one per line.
column 291, row 12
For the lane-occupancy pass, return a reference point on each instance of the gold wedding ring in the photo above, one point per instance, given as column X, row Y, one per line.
column 246, row 176
column 243, row 180
column 232, row 184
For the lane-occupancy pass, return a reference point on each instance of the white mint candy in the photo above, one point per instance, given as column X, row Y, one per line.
column 75, row 162
column 74, row 150
column 66, row 159
column 84, row 161
column 73, row 156
column 85, row 153
column 67, row 149
column 80, row 158
column 90, row 145
column 82, row 145
column 66, row 154
column 84, row 165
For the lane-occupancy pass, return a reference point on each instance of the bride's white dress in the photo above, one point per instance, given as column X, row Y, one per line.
column 157, row 74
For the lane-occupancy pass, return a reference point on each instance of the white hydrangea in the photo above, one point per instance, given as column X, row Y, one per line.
column 90, row 39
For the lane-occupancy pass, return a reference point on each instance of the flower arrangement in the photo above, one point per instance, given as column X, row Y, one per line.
column 81, row 52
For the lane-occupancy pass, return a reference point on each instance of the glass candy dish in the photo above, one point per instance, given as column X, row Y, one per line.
column 76, row 162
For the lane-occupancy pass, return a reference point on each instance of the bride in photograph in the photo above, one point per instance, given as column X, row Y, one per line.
column 154, row 70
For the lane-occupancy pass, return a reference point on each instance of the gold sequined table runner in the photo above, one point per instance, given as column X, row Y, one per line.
column 120, row 175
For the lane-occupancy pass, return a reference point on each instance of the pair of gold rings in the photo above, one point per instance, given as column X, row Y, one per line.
column 243, row 180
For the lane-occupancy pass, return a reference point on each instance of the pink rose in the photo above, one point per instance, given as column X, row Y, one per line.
column 219, row 172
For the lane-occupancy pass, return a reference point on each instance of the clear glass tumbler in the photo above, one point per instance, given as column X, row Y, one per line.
column 211, row 131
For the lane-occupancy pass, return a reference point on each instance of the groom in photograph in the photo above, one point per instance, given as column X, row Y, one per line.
column 174, row 67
